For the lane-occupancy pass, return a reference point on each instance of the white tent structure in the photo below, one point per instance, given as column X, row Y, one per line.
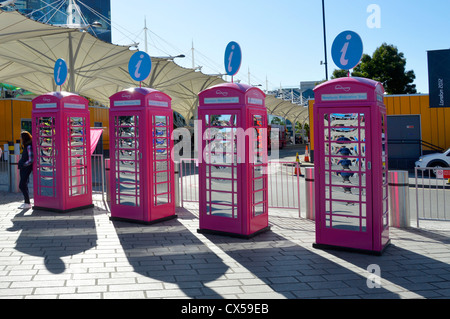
column 97, row 70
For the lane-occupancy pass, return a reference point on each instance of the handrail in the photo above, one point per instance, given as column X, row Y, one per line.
column 415, row 141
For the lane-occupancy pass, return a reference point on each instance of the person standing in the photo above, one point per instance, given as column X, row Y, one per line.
column 26, row 167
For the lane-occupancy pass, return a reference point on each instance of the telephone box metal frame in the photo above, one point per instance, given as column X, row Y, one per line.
column 351, row 180
column 142, row 175
column 233, row 182
column 62, row 173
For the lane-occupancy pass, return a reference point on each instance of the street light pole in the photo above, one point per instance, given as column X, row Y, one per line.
column 325, row 40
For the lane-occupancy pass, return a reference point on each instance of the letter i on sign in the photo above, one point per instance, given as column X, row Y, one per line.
column 230, row 58
column 343, row 60
column 138, row 66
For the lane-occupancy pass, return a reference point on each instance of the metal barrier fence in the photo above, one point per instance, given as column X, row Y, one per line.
column 432, row 194
column 188, row 180
column 283, row 183
column 4, row 172
column 98, row 175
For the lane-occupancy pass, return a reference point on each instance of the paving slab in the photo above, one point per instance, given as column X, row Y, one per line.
column 85, row 255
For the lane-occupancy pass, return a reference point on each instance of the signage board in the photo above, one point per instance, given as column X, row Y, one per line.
column 347, row 50
column 60, row 72
column 140, row 66
column 233, row 58
column 439, row 78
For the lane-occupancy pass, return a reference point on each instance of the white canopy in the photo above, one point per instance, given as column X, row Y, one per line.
column 97, row 69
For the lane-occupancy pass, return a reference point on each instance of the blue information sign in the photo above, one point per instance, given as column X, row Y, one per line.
column 347, row 50
column 233, row 58
column 60, row 72
column 140, row 66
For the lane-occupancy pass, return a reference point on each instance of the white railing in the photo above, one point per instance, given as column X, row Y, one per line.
column 98, row 175
column 432, row 194
column 283, row 183
column 4, row 172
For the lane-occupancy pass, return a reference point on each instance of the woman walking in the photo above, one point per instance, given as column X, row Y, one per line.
column 26, row 167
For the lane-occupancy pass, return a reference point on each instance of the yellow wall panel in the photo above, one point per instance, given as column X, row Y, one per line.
column 389, row 106
column 5, row 116
column 6, row 130
column 414, row 105
column 101, row 115
column 405, row 107
column 21, row 110
column 311, row 123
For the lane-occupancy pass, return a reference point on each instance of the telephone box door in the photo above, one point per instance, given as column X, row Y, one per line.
column 47, row 190
column 345, row 183
column 79, row 177
column 257, row 175
column 127, row 171
column 222, row 170
column 162, row 165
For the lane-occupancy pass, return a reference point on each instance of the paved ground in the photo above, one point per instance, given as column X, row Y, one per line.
column 84, row 255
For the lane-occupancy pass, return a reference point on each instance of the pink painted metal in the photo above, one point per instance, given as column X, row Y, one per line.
column 141, row 169
column 233, row 197
column 61, row 143
column 351, row 196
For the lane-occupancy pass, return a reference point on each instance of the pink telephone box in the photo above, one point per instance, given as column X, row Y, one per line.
column 61, row 143
column 142, row 172
column 233, row 161
column 351, row 166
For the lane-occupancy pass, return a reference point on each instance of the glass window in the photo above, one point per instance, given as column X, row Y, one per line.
column 127, row 160
column 46, row 156
column 345, row 178
column 77, row 155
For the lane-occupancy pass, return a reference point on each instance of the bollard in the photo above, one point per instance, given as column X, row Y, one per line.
column 14, row 175
column 108, row 179
column 309, row 192
column 5, row 152
column 177, row 185
column 17, row 148
column 399, row 214
column 11, row 147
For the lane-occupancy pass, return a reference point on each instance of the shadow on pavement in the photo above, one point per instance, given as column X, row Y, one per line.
column 54, row 236
column 170, row 253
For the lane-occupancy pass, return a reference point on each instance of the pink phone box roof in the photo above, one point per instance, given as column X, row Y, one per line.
column 349, row 89
column 232, row 94
column 54, row 101
column 140, row 98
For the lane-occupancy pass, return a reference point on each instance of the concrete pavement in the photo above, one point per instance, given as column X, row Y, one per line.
column 85, row 255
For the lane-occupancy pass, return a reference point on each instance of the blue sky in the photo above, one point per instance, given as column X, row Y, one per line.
column 281, row 40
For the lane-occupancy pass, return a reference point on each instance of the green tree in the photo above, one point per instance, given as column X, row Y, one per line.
column 388, row 66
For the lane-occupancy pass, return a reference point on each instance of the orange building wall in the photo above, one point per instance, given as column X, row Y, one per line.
column 13, row 111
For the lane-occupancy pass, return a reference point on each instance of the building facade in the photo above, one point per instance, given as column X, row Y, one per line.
column 71, row 12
